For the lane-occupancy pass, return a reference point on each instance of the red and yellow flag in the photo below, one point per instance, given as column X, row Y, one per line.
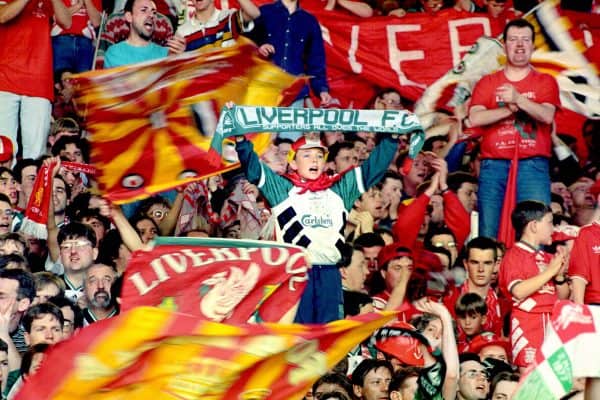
column 151, row 123
column 222, row 280
column 150, row 353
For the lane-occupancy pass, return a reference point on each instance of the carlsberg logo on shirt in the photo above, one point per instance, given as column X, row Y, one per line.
column 314, row 221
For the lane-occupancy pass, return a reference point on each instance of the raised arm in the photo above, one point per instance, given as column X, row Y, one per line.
column 11, row 10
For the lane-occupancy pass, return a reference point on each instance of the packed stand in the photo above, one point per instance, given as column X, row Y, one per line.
column 471, row 312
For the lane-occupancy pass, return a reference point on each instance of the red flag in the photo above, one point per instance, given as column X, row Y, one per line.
column 220, row 280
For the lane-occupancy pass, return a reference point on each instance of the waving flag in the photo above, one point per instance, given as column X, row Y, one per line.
column 570, row 349
column 149, row 353
column 151, row 123
column 222, row 280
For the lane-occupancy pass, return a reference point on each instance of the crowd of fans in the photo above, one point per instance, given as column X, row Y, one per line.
column 411, row 242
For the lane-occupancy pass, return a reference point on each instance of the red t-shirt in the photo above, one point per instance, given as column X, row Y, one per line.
column 499, row 139
column 585, row 261
column 522, row 262
column 493, row 321
column 81, row 24
column 26, row 52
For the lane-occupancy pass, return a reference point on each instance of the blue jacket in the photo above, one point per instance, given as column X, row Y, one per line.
column 298, row 43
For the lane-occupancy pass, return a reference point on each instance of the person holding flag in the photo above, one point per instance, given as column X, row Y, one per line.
column 311, row 209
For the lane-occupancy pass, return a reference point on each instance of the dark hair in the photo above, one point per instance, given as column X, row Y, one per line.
column 10, row 171
column 335, row 395
column 470, row 304
column 467, row 356
column 421, row 321
column 401, row 375
column 526, row 212
column 146, row 204
column 28, row 357
column 336, row 147
column 128, row 6
column 3, row 346
column 24, row 163
column 366, row 366
column 74, row 230
column 456, row 180
column 354, row 301
column 14, row 258
column 38, row 311
column 503, row 376
column 333, row 378
column 26, row 288
column 108, row 249
column 368, row 239
column 61, row 301
column 519, row 23
column 346, row 251
column 482, row 243
column 81, row 143
column 428, row 145
column 93, row 213
column 141, row 217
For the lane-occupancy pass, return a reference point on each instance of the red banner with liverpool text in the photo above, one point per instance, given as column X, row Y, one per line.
column 233, row 281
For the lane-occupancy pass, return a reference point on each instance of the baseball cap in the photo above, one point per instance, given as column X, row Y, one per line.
column 563, row 233
column 305, row 143
column 402, row 341
column 391, row 252
column 6, row 148
column 488, row 339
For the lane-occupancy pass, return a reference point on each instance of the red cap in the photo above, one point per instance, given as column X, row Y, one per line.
column 6, row 148
column 488, row 339
column 563, row 233
column 305, row 143
column 391, row 252
column 402, row 341
column 428, row 261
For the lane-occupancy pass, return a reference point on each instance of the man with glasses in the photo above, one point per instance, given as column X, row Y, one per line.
column 76, row 242
column 473, row 381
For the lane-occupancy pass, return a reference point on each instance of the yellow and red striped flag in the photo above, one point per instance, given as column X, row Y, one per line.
column 151, row 123
column 151, row 353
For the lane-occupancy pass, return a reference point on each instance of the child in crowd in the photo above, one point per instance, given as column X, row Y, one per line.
column 532, row 278
column 311, row 209
column 471, row 312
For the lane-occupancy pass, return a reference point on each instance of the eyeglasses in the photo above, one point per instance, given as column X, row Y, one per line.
column 8, row 212
column 473, row 373
column 75, row 245
column 159, row 213
column 441, row 244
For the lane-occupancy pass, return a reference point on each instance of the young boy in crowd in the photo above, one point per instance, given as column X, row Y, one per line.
column 471, row 315
column 532, row 278
column 311, row 209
